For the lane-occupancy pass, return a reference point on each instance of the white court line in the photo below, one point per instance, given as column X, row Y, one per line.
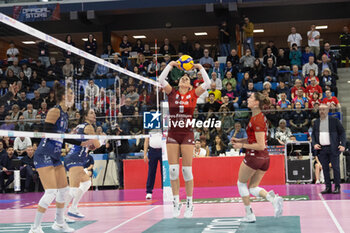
column 337, row 224
column 130, row 219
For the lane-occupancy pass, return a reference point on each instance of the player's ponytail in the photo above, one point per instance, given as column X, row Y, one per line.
column 59, row 92
column 264, row 101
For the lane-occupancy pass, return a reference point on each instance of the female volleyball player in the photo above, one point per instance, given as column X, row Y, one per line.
column 74, row 162
column 180, row 136
column 48, row 163
column 257, row 160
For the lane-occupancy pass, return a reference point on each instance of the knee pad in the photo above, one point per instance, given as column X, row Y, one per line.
column 84, row 186
column 242, row 189
column 47, row 198
column 174, row 171
column 187, row 173
column 61, row 194
column 255, row 191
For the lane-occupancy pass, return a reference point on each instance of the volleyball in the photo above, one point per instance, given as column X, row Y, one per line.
column 185, row 62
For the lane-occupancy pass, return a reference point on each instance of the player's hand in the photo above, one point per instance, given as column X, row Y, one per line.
column 174, row 64
column 317, row 147
column 197, row 66
column 145, row 158
column 233, row 140
column 341, row 148
column 237, row 146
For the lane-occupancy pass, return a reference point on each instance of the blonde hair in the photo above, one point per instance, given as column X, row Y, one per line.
column 264, row 101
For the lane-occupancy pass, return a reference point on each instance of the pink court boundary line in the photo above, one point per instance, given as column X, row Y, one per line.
column 130, row 219
column 337, row 224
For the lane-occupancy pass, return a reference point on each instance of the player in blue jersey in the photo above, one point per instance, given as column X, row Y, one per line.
column 48, row 162
column 74, row 162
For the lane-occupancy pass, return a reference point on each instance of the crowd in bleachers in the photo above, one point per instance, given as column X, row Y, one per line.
column 295, row 79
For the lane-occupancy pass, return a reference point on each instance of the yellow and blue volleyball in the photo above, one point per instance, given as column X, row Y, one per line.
column 185, row 62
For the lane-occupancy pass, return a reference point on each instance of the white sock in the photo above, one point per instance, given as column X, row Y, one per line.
column 38, row 218
column 59, row 215
column 190, row 200
column 78, row 193
column 269, row 197
column 176, row 200
column 248, row 209
column 69, row 198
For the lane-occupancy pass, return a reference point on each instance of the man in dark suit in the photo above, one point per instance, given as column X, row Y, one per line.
column 324, row 64
column 329, row 139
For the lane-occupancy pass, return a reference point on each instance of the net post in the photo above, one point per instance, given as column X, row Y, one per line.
column 167, row 192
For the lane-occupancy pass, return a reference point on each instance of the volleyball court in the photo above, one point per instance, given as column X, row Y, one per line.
column 216, row 199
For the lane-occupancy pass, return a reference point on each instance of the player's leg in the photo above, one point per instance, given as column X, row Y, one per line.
column 173, row 150
column 187, row 156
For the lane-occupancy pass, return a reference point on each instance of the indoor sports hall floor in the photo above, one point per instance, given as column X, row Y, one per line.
column 127, row 211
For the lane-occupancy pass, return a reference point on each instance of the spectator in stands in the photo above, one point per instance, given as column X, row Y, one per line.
column 283, row 133
column 147, row 52
column 307, row 80
column 270, row 71
column 202, row 99
column 171, row 48
column 330, row 56
column 247, row 61
column 206, row 60
column 218, row 147
column 224, row 39
column 227, row 103
column 217, row 70
column 212, row 103
column 325, row 64
column 226, row 119
column 12, row 53
column 314, row 113
column 314, row 40
column 306, row 54
column 299, row 119
column 139, row 48
column 327, row 79
column 20, row 145
column 37, row 100
column 51, row 101
column 92, row 90
column 185, row 47
column 2, row 112
column 315, row 98
column 238, row 132
column 128, row 109
column 282, row 88
column 299, row 98
column 125, row 49
column 30, row 113
column 153, row 67
column 142, row 64
column 257, row 72
column 294, row 38
column 27, row 168
column 296, row 87
column 144, row 100
column 246, row 93
column 54, row 69
column 44, row 53
column 197, row 51
column 81, row 72
column 329, row 100
column 246, row 79
column 295, row 74
column 216, row 92
column 234, row 59
column 66, row 53
column 167, row 58
column 15, row 68
column 100, row 71
column 132, row 95
column 68, row 68
column 232, row 94
column 229, row 79
column 2, row 150
column 216, row 80
column 199, row 152
column 310, row 89
column 40, row 69
column 310, row 65
column 229, row 68
column 3, row 87
column 43, row 89
column 273, row 48
column 22, row 100
column 198, row 80
column 22, row 125
column 295, row 56
column 248, row 29
column 282, row 62
column 91, row 45
column 43, row 110
column 15, row 113
column 26, row 70
column 283, row 104
column 6, row 168
column 268, row 55
column 273, row 101
column 175, row 75
column 8, row 125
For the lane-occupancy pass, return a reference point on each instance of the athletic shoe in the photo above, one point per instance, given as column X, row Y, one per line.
column 37, row 230
column 68, row 219
column 75, row 213
column 189, row 211
column 176, row 210
column 278, row 206
column 317, row 182
column 62, row 227
column 249, row 218
column 149, row 196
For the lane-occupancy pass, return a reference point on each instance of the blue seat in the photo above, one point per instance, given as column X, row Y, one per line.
column 132, row 142
column 300, row 136
column 273, row 85
column 239, row 77
column 258, row 86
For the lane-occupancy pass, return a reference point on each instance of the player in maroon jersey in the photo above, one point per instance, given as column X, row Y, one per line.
column 180, row 135
column 257, row 160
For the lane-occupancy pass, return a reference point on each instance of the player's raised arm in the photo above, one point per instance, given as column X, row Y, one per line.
column 165, row 85
column 206, row 85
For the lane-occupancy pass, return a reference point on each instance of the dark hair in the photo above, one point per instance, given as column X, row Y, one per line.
column 211, row 94
column 263, row 100
column 84, row 115
column 60, row 91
